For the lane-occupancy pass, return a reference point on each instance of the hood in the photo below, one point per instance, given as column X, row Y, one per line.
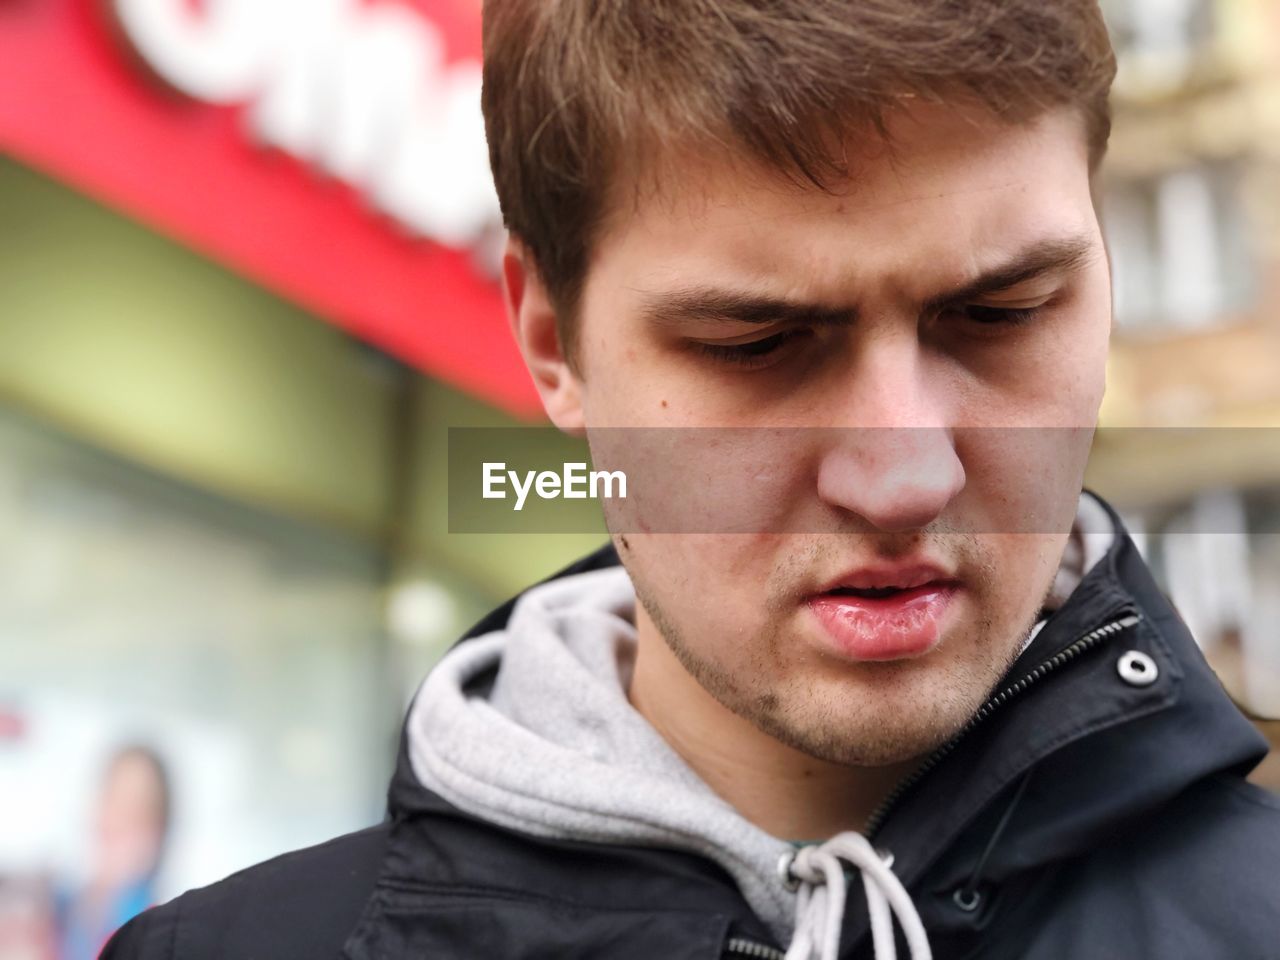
column 527, row 725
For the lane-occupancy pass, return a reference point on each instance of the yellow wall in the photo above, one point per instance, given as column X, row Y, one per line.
column 151, row 351
column 137, row 345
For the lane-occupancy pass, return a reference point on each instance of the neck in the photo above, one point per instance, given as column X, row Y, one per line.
column 788, row 794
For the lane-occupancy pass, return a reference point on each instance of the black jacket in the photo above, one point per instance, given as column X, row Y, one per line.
column 1090, row 811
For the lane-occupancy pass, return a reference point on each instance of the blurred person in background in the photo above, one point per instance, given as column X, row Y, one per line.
column 907, row 720
column 131, row 823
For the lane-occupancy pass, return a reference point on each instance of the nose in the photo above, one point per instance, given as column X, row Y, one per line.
column 897, row 468
column 895, row 478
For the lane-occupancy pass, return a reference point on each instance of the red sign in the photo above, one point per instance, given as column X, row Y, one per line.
column 331, row 150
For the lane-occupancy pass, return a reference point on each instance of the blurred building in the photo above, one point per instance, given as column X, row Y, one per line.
column 1191, row 201
column 232, row 338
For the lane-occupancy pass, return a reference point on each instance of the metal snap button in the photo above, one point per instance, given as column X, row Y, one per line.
column 967, row 900
column 1137, row 669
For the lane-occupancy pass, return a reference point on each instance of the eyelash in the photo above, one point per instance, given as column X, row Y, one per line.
column 757, row 352
column 751, row 354
column 1008, row 316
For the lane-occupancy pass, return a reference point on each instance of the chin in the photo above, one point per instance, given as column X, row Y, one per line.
column 884, row 722
column 882, row 746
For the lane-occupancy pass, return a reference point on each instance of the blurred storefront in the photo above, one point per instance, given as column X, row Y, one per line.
column 1191, row 204
column 230, row 355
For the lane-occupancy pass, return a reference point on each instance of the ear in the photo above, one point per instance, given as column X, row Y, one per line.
column 533, row 322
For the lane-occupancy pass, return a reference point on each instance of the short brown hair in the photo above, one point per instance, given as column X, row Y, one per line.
column 573, row 88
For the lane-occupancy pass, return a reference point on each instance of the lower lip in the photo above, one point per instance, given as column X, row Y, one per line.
column 906, row 624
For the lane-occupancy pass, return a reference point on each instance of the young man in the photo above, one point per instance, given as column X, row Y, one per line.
column 907, row 703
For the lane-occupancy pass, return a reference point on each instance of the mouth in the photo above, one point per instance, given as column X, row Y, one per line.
column 885, row 614
column 870, row 593
column 874, row 580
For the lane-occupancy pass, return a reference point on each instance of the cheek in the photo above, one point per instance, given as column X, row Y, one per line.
column 713, row 590
column 691, row 480
column 1021, row 480
column 1076, row 359
column 1027, row 563
column 1082, row 364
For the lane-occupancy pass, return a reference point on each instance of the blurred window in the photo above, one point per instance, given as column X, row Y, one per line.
column 244, row 646
column 1180, row 250
column 1158, row 42
column 1218, row 556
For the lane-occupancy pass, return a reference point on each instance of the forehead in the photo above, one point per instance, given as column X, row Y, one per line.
column 946, row 190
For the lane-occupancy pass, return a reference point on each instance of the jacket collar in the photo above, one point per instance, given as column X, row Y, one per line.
column 1104, row 748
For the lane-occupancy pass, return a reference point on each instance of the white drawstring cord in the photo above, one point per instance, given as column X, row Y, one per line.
column 820, row 903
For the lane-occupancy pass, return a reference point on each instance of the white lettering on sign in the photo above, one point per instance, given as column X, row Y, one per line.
column 359, row 91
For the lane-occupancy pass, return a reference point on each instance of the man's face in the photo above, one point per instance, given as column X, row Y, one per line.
column 957, row 285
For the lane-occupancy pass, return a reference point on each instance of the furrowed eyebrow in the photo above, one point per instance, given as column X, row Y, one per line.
column 697, row 304
column 1059, row 255
column 702, row 304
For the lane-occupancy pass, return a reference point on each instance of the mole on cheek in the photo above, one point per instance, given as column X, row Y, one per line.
column 664, row 404
column 625, row 545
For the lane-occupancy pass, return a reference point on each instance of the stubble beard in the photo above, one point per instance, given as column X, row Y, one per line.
column 865, row 735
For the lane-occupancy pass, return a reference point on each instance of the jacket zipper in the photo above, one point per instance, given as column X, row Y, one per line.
column 741, row 947
column 1083, row 645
